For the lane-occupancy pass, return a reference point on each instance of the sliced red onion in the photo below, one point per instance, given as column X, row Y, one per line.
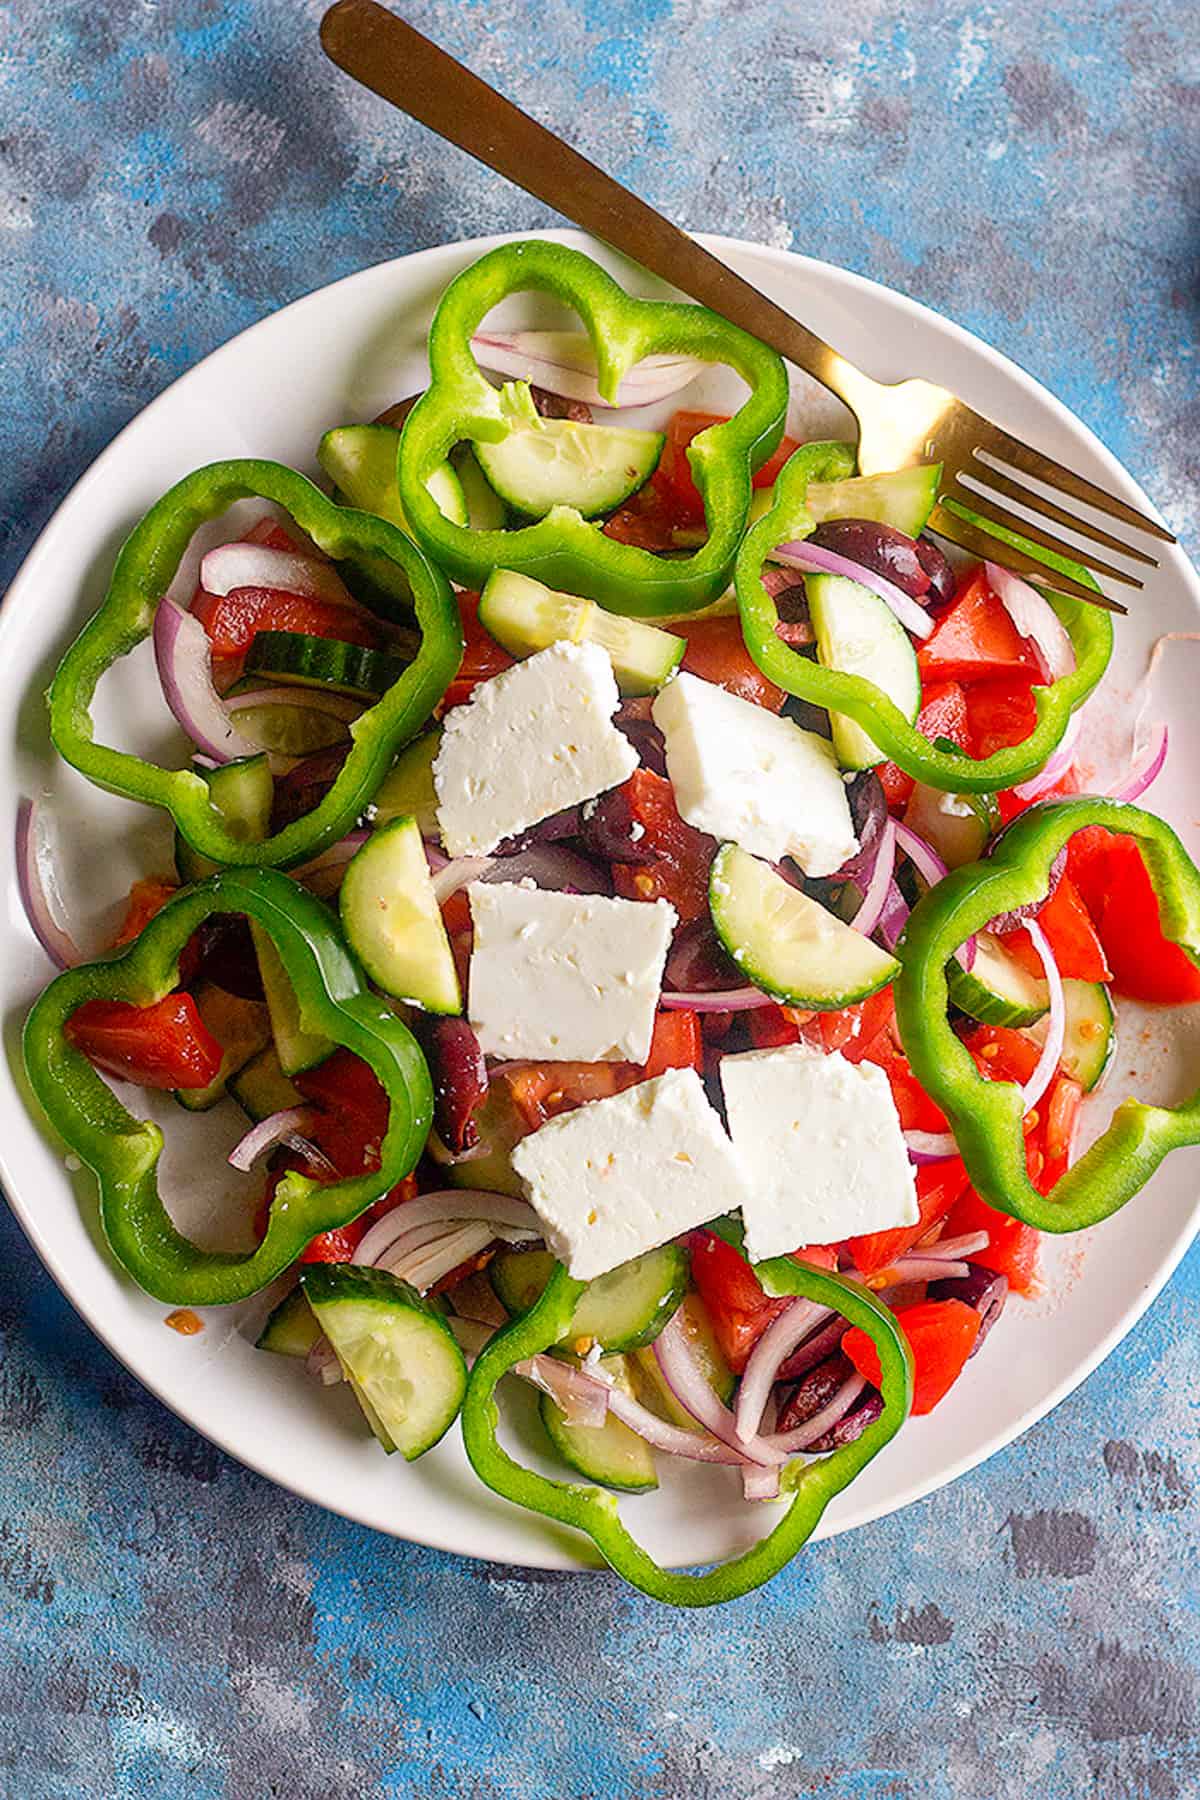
column 814, row 1350
column 424, row 1265
column 183, row 655
column 39, row 889
column 546, row 865
column 280, row 1128
column 875, row 897
column 805, row 555
column 511, row 1219
column 925, row 1268
column 931, row 868
column 956, row 1249
column 246, row 565
column 322, row 1363
column 1145, row 772
column 695, row 1393
column 894, row 916
column 1052, row 1049
column 581, row 1396
column 773, row 1348
column 930, row 1146
column 787, row 1443
column 760, row 1482
column 564, row 362
column 1034, row 618
column 744, row 999
column 1056, row 766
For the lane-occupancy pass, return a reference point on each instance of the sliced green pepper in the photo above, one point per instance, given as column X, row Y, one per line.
column 123, row 1151
column 985, row 1116
column 1088, row 627
column 564, row 550
column 144, row 570
column 590, row 1510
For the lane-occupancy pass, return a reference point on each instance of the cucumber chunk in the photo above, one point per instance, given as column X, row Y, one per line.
column 407, row 789
column 361, row 461
column 903, row 498
column 859, row 633
column 958, row 826
column 399, row 1355
column 243, row 793
column 524, row 616
column 261, row 1087
column 296, row 1047
column 1090, row 1036
column 611, row 1453
column 391, row 917
column 651, row 1384
column 241, row 1027
column 544, row 463
column 620, row 1311
column 291, row 730
column 300, row 660
column 996, row 988
column 292, row 1328
column 787, row 944
column 486, row 511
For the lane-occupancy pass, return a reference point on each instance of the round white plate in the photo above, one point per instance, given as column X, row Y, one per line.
column 343, row 354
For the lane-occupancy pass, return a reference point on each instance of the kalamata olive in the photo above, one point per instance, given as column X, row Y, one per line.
column 224, row 954
column 633, row 719
column 814, row 1350
column 879, row 547
column 559, row 825
column 557, row 406
column 303, row 787
column 396, row 414
column 699, row 963
column 815, row 1391
column 942, row 579
column 983, row 1290
column 459, row 1075
column 611, row 830
column 852, row 1424
column 803, row 712
column 791, row 608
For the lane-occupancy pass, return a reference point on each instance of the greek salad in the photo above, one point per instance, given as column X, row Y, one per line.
column 642, row 909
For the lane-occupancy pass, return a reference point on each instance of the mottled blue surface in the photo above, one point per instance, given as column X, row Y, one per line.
column 171, row 170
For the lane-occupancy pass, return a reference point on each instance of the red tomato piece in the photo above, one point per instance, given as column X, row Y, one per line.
column 943, row 714
column 939, row 1186
column 1012, row 1247
column 351, row 1111
column 675, row 471
column 716, row 651
column 677, row 1043
column 975, row 638
column 165, row 1045
column 1002, row 712
column 1071, row 936
column 772, row 1026
column 146, row 897
column 1112, row 880
column 652, row 519
column 941, row 1335
column 543, row 1090
column 677, row 856
column 733, row 1296
column 855, row 1030
column 482, row 658
column 917, row 1111
column 233, row 620
column 340, row 1244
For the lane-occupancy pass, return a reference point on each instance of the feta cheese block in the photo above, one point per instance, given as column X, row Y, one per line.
column 528, row 743
column 621, row 1176
column 822, row 1146
column 569, row 977
column 750, row 777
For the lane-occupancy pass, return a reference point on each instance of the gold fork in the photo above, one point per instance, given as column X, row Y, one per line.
column 906, row 422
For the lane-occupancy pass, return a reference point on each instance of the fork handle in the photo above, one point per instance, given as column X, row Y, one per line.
column 388, row 56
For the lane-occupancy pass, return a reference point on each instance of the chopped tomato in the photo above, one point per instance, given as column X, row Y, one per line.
column 1062, row 1106
column 652, row 519
column 677, row 855
column 732, row 1295
column 853, row 1030
column 1001, row 711
column 716, row 651
column 340, row 1244
column 943, row 714
column 1001, row 1053
column 276, row 536
column 975, row 638
column 771, row 1026
column 351, row 1111
column 1114, row 885
column 1071, row 935
column 543, row 1090
column 941, row 1335
column 1012, row 1247
column 939, row 1186
column 146, row 897
column 917, row 1111
column 233, row 620
column 482, row 658
column 165, row 1045
column 675, row 471
column 676, row 1044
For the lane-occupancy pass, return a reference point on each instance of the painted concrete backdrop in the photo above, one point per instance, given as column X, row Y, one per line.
column 171, row 170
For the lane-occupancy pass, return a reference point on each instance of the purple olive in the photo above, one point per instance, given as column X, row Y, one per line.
column 794, row 622
column 815, row 1391
column 564, row 824
column 396, row 414
column 557, row 406
column 226, row 957
column 699, row 963
column 878, row 547
column 460, row 1078
column 305, row 786
column 983, row 1290
column 814, row 1350
column 942, row 579
column 868, row 813
column 852, row 1424
column 633, row 718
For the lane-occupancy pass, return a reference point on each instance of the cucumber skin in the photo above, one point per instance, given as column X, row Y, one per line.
column 670, row 1263
column 372, row 871
column 302, row 660
column 291, row 1329
column 971, row 995
column 582, row 1448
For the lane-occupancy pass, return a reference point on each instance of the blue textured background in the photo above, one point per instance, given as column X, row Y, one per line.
column 171, row 170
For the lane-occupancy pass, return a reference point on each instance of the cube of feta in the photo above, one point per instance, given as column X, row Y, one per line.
column 822, row 1145
column 750, row 777
column 528, row 743
column 569, row 977
column 618, row 1177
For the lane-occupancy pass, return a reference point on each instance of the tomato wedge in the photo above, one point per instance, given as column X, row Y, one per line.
column 1001, row 711
column 941, row 1335
column 1012, row 1247
column 1071, row 935
column 939, row 1186
column 943, row 714
column 233, row 620
column 165, row 1045
column 674, row 471
column 733, row 1296
column 975, row 638
column 483, row 657
column 678, row 856
column 1113, row 884
column 716, row 651
column 677, row 1043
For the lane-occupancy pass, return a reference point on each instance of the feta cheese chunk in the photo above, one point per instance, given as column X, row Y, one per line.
column 750, row 777
column 528, row 743
column 821, row 1142
column 621, row 1176
column 569, row 977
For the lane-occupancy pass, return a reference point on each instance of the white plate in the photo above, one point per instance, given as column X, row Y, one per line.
column 343, row 354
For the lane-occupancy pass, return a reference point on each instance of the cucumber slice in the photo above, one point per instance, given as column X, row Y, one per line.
column 787, row 944
column 243, row 793
column 1090, row 1038
column 524, row 616
column 544, row 463
column 958, row 826
column 241, row 1027
column 361, row 461
column 261, row 1087
column 292, row 1328
column 393, row 922
column 501, row 1126
column 903, row 498
column 399, row 1355
column 296, row 1047
column 407, row 789
column 296, row 658
column 651, row 1384
column 610, row 1453
column 858, row 633
column 620, row 1311
column 291, row 730
column 486, row 511
column 996, row 988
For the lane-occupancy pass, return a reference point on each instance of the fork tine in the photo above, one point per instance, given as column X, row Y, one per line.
column 1037, row 503
column 948, row 525
column 1007, row 448
column 1010, row 521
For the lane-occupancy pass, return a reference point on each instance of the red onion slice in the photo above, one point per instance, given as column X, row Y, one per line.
column 564, row 362
column 546, row 865
column 322, row 1363
column 38, row 889
column 773, row 1348
column 958, row 1249
column 423, row 1265
column 580, row 1395
column 1035, row 618
column 280, row 1128
column 1056, row 766
column 694, row 1392
column 1052, row 1049
column 744, row 999
column 930, row 1146
column 925, row 1268
column 874, row 899
column 1144, row 772
column 511, row 1219
column 760, row 1483
column 803, row 555
column 183, row 656
column 894, row 916
column 244, row 565
column 931, row 868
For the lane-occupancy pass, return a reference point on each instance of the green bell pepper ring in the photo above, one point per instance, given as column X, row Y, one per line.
column 985, row 1116
column 144, row 570
column 594, row 1512
column 1088, row 627
column 123, row 1151
column 563, row 549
